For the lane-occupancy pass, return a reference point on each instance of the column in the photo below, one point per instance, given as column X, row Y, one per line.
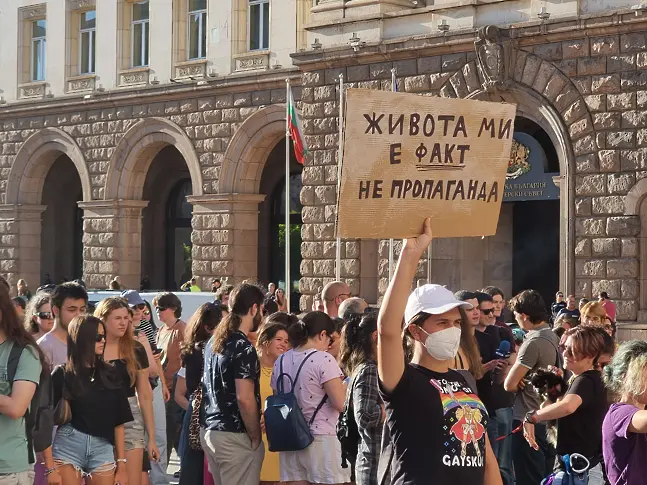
column 112, row 234
column 20, row 233
column 225, row 236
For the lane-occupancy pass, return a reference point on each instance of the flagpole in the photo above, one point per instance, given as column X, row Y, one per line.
column 394, row 87
column 288, row 283
column 339, row 161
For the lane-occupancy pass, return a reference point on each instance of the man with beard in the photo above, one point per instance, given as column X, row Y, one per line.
column 68, row 300
column 231, row 400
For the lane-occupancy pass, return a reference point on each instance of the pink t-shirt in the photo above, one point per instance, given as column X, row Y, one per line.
column 610, row 308
column 320, row 368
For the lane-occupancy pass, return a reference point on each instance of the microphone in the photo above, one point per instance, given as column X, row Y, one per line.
column 503, row 352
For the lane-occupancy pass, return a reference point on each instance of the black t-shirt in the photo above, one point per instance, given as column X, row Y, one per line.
column 581, row 432
column 238, row 360
column 493, row 395
column 570, row 313
column 193, row 364
column 438, row 428
column 120, row 365
column 557, row 307
column 99, row 409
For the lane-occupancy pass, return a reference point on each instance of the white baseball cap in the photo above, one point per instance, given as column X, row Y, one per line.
column 432, row 299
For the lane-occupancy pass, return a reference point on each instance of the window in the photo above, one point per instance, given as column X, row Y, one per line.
column 38, row 44
column 87, row 39
column 197, row 29
column 140, row 34
column 259, row 25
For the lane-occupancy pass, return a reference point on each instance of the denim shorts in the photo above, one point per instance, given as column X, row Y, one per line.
column 134, row 436
column 84, row 452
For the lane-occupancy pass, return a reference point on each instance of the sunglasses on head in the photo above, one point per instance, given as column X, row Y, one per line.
column 100, row 337
column 488, row 311
column 45, row 315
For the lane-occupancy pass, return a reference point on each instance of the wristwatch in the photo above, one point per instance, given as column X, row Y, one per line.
column 531, row 417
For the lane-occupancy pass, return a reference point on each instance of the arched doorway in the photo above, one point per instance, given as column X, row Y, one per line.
column 271, row 244
column 531, row 200
column 166, row 234
column 61, row 248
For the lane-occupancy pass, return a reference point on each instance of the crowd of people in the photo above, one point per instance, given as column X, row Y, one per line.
column 434, row 387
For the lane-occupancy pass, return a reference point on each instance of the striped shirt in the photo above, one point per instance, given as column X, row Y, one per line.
column 149, row 328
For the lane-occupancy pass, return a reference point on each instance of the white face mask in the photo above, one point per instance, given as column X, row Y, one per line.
column 443, row 345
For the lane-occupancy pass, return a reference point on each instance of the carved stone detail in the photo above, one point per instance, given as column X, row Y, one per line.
column 190, row 69
column 253, row 62
column 494, row 53
column 80, row 4
column 33, row 12
column 81, row 83
column 134, row 77
column 32, row 90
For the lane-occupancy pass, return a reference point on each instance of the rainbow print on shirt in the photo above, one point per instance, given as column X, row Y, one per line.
column 465, row 422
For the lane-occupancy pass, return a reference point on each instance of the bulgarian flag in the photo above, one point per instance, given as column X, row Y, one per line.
column 296, row 130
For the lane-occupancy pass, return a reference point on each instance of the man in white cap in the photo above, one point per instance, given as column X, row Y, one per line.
column 438, row 418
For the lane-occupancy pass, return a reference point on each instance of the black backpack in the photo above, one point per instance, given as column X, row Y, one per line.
column 347, row 432
column 39, row 423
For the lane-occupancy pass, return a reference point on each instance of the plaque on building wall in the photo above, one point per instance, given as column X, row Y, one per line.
column 407, row 157
column 527, row 177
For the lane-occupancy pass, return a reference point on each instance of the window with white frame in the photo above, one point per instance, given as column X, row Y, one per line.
column 259, row 25
column 87, row 40
column 197, row 29
column 140, row 33
column 38, row 49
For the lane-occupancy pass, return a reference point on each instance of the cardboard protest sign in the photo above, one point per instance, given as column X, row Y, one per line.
column 407, row 157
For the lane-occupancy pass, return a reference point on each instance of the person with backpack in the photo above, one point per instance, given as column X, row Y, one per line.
column 538, row 351
column 312, row 375
column 581, row 411
column 363, row 415
column 22, row 365
column 231, row 400
column 436, row 422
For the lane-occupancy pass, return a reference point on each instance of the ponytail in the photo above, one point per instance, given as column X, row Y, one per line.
column 312, row 324
column 357, row 342
column 241, row 300
column 230, row 323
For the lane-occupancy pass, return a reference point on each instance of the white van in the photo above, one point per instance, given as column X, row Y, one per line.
column 191, row 301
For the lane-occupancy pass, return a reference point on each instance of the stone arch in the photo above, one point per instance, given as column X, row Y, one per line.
column 130, row 162
column 249, row 148
column 33, row 161
column 546, row 96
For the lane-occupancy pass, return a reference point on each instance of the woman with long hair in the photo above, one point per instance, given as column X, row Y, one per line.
column 468, row 357
column 38, row 317
column 198, row 331
column 91, row 445
column 279, row 297
column 580, row 412
column 320, row 395
column 357, row 357
column 16, row 392
column 624, row 431
column 272, row 342
column 130, row 360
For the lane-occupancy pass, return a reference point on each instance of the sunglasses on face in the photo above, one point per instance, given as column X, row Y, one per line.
column 100, row 337
column 141, row 306
column 488, row 311
column 147, row 313
column 45, row 315
column 161, row 309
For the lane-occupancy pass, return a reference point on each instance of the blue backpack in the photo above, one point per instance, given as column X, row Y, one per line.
column 579, row 476
column 285, row 426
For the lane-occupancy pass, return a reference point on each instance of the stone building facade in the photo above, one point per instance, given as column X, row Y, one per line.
column 110, row 157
